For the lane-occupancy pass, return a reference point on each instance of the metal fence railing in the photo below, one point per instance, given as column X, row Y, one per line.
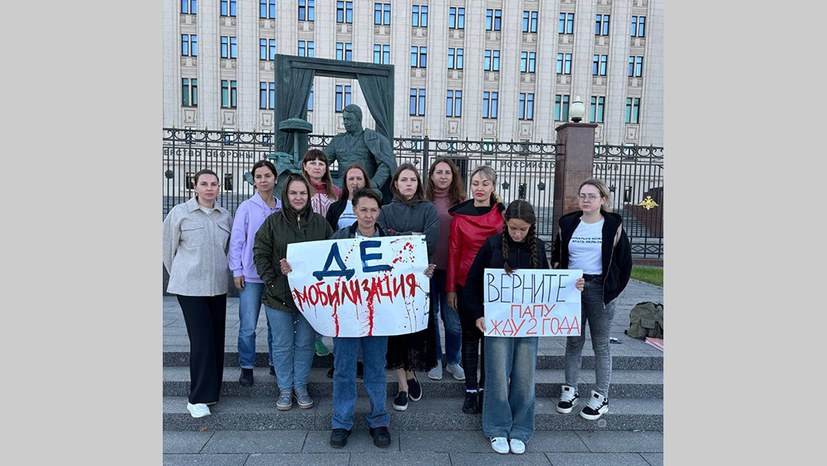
column 525, row 170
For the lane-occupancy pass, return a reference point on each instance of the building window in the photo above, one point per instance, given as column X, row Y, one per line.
column 526, row 106
column 382, row 54
column 563, row 63
column 419, row 16
column 229, row 47
column 638, row 26
column 489, row 104
column 566, row 23
column 267, row 49
column 267, row 9
column 228, row 7
column 267, row 95
column 189, row 92
column 344, row 12
column 493, row 20
column 633, row 110
column 189, row 45
column 382, row 14
column 529, row 21
column 307, row 48
column 188, row 7
column 456, row 18
column 491, row 60
column 310, row 99
column 599, row 65
column 601, row 25
column 419, row 57
column 527, row 61
column 307, row 10
column 453, row 104
column 561, row 107
column 417, row 104
column 455, row 58
column 343, row 94
column 635, row 66
column 596, row 109
column 344, row 51
column 229, row 93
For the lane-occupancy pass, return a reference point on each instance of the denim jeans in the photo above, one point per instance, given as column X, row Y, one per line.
column 598, row 317
column 345, row 351
column 249, row 306
column 450, row 319
column 292, row 352
column 508, row 406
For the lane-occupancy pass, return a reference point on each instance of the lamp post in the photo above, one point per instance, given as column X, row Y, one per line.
column 577, row 110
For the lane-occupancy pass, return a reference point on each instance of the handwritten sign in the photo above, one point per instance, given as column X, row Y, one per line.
column 529, row 302
column 361, row 286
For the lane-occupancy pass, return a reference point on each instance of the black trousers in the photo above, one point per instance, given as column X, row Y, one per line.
column 473, row 354
column 206, row 319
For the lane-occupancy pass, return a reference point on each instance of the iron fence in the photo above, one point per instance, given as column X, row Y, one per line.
column 525, row 170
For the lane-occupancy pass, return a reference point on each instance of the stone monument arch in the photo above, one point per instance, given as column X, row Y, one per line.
column 294, row 77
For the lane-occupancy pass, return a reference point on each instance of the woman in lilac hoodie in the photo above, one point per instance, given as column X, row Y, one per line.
column 248, row 218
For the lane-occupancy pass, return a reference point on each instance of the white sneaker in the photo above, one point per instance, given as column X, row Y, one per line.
column 598, row 404
column 517, row 446
column 436, row 372
column 500, row 445
column 568, row 398
column 198, row 410
column 456, row 370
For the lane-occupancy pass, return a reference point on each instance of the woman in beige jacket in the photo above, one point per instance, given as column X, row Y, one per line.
column 196, row 240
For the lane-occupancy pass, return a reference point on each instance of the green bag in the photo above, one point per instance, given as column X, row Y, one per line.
column 646, row 320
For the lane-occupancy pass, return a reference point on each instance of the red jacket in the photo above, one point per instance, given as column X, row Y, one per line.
column 469, row 231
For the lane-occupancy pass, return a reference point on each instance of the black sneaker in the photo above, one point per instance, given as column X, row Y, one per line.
column 338, row 438
column 415, row 389
column 381, row 436
column 400, row 403
column 246, row 378
column 469, row 406
column 330, row 373
column 272, row 370
column 360, row 370
column 568, row 399
column 598, row 404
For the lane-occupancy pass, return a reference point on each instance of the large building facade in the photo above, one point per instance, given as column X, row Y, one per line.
column 464, row 69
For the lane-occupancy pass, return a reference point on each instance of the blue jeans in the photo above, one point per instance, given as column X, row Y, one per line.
column 345, row 351
column 292, row 352
column 450, row 318
column 249, row 306
column 599, row 319
column 508, row 406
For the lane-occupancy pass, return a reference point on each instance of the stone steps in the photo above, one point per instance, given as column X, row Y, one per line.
column 244, row 413
column 625, row 384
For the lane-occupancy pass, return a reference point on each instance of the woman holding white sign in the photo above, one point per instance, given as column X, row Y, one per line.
column 366, row 206
column 410, row 214
column 293, row 335
column 510, row 362
column 592, row 239
column 474, row 221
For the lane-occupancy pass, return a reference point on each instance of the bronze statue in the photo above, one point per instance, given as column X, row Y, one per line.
column 364, row 146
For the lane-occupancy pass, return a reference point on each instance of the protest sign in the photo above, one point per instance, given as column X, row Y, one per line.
column 531, row 302
column 361, row 286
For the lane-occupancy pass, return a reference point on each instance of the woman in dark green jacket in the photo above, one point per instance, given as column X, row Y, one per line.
column 293, row 336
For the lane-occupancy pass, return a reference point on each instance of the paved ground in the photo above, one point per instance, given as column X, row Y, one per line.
column 301, row 447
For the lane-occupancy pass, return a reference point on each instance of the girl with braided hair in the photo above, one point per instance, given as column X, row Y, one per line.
column 510, row 363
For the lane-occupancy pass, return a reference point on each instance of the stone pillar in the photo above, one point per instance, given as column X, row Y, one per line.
column 574, row 164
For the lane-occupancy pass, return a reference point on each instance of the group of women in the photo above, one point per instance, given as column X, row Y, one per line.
column 464, row 235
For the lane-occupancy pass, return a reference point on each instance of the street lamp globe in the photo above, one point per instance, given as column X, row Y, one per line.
column 577, row 110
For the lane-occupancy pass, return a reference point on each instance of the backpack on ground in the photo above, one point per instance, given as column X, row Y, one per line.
column 646, row 320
